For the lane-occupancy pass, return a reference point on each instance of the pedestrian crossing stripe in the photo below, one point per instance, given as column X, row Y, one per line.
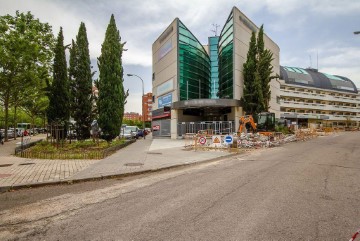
column 216, row 140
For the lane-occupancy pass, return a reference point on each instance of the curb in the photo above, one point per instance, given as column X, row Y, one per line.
column 98, row 178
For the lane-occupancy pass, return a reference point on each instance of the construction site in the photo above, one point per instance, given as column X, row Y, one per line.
column 252, row 135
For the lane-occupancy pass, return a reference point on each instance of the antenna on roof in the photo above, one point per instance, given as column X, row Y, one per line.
column 215, row 30
column 310, row 61
column 317, row 59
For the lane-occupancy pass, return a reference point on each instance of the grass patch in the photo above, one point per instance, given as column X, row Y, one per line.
column 76, row 150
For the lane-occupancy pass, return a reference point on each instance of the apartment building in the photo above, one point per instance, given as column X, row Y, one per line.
column 147, row 107
column 132, row 116
column 308, row 96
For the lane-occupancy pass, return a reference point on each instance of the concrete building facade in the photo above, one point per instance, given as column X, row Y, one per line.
column 308, row 96
column 200, row 84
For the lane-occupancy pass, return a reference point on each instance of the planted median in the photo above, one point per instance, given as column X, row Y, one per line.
column 74, row 150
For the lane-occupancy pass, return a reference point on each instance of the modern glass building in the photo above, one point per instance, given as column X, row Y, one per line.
column 226, row 62
column 194, row 66
column 201, row 84
column 214, row 67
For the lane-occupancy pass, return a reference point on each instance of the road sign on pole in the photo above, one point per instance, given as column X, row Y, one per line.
column 202, row 140
column 229, row 139
column 216, row 141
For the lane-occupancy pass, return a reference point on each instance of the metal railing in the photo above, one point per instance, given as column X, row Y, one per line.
column 215, row 127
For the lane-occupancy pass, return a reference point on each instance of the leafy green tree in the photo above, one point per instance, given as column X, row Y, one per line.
column 36, row 106
column 26, row 46
column 81, row 84
column 111, row 90
column 249, row 99
column 59, row 101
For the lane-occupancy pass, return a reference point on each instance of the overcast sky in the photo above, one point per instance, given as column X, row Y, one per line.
column 303, row 29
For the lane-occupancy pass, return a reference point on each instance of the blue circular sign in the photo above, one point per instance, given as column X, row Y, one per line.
column 228, row 139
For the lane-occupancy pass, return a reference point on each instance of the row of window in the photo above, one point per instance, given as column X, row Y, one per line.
column 318, row 92
column 321, row 102
column 283, row 109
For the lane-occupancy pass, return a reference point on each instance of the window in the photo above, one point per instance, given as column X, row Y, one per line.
column 153, row 76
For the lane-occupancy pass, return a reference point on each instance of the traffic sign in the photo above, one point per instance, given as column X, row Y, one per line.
column 216, row 140
column 229, row 139
column 202, row 140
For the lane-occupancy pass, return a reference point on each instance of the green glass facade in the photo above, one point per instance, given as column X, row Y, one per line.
column 226, row 53
column 214, row 65
column 194, row 66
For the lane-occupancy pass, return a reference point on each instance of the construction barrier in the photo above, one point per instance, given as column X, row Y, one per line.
column 207, row 140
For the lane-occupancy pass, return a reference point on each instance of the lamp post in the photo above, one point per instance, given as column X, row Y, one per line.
column 142, row 106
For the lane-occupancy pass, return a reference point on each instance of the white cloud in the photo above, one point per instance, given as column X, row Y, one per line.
column 341, row 56
column 134, row 103
column 334, row 7
column 141, row 22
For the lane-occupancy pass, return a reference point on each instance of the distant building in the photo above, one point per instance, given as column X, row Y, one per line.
column 147, row 107
column 132, row 116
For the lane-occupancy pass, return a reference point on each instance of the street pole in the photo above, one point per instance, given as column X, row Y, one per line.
column 142, row 106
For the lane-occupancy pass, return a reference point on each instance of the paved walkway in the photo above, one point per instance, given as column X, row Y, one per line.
column 143, row 155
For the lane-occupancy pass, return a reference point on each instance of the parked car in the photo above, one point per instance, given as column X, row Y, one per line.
column 42, row 130
column 10, row 134
column 141, row 133
column 129, row 132
column 72, row 134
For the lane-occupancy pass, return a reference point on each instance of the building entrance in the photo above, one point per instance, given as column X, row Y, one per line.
column 211, row 127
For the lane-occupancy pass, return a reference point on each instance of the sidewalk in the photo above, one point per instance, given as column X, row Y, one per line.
column 143, row 155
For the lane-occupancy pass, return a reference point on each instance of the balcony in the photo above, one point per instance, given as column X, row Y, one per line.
column 315, row 96
column 303, row 105
column 294, row 115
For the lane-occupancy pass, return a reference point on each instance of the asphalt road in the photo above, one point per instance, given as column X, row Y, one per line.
column 301, row 191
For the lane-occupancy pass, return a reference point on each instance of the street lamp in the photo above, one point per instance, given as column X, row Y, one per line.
column 142, row 106
column 357, row 32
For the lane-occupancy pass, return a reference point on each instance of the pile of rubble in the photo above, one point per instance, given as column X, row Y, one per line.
column 256, row 140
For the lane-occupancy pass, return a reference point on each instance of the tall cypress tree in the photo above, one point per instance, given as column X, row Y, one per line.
column 264, row 69
column 257, row 73
column 82, row 82
column 58, row 110
column 111, row 90
column 72, row 77
column 248, row 100
column 260, row 41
